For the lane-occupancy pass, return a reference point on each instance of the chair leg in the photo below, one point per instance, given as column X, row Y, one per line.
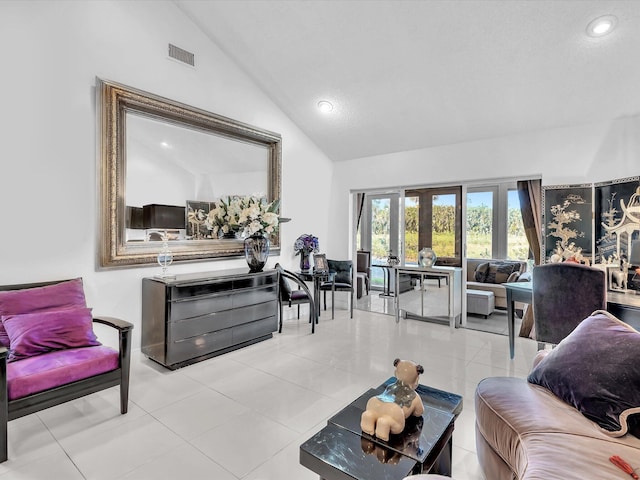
column 125, row 369
column 351, row 302
column 298, row 311
column 333, row 303
column 325, row 300
column 280, row 318
column 4, row 409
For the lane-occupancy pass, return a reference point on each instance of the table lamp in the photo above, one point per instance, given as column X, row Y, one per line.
column 634, row 262
column 164, row 217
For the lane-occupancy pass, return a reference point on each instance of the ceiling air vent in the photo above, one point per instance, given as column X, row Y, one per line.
column 182, row 55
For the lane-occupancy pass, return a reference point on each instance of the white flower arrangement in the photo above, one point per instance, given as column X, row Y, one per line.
column 251, row 214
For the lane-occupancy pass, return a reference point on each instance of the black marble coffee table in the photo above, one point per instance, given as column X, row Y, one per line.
column 342, row 451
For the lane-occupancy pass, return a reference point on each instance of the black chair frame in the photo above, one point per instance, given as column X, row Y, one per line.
column 12, row 409
column 313, row 318
column 332, row 286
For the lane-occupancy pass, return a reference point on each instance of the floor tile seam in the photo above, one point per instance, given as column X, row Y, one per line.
column 252, row 409
column 102, row 423
column 259, row 414
column 35, row 459
column 150, row 410
column 154, row 457
column 9, row 474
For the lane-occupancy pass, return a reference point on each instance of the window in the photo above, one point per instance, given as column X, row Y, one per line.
column 494, row 223
column 480, row 224
column 411, row 229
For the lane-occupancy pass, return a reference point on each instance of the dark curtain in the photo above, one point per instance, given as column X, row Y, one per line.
column 530, row 194
column 360, row 200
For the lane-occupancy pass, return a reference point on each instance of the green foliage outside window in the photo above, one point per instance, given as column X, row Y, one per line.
column 479, row 227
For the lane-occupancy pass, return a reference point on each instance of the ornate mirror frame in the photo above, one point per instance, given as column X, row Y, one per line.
column 115, row 101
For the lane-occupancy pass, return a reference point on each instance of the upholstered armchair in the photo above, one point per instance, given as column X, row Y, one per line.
column 340, row 280
column 564, row 294
column 50, row 354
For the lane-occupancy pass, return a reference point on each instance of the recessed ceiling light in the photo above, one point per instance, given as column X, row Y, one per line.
column 325, row 106
column 601, row 26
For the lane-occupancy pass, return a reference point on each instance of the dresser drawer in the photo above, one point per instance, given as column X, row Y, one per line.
column 200, row 289
column 191, row 348
column 242, row 298
column 197, row 307
column 253, row 330
column 255, row 281
column 254, row 312
column 190, row 327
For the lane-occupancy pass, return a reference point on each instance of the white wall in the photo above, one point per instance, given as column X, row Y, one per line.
column 580, row 154
column 48, row 186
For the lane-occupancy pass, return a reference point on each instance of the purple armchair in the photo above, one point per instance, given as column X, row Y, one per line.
column 49, row 353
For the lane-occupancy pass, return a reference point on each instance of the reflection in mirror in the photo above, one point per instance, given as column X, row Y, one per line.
column 160, row 157
column 170, row 165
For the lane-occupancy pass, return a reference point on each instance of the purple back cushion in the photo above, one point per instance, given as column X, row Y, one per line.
column 30, row 300
column 596, row 369
column 33, row 334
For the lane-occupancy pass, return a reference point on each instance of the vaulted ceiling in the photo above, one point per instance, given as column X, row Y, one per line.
column 404, row 75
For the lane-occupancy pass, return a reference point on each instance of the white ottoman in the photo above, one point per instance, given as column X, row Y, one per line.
column 481, row 302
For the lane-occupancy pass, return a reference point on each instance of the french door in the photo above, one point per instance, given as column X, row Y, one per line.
column 380, row 232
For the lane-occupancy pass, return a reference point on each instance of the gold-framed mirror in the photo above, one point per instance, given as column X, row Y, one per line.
column 159, row 152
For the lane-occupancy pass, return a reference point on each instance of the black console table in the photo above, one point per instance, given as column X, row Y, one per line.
column 193, row 317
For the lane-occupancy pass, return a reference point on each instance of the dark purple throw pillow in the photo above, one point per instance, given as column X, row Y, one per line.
column 596, row 369
column 33, row 334
column 50, row 297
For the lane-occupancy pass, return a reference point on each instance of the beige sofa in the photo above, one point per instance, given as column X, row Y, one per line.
column 572, row 413
column 499, row 292
column 524, row 432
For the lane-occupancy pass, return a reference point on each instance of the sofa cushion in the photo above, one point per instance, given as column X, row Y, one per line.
column 49, row 297
column 499, row 272
column 596, row 369
column 33, row 334
column 42, row 372
column 481, row 272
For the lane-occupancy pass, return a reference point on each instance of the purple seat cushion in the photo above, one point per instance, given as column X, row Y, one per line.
column 596, row 369
column 299, row 295
column 49, row 297
column 41, row 332
column 43, row 372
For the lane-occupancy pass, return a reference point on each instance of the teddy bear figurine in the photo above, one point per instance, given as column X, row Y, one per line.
column 386, row 413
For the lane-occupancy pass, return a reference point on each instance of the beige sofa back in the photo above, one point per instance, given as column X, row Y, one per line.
column 472, row 264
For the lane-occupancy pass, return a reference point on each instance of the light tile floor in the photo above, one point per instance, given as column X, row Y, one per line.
column 243, row 415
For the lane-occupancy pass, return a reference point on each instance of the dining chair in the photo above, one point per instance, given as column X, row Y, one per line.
column 363, row 271
column 564, row 294
column 294, row 297
column 340, row 280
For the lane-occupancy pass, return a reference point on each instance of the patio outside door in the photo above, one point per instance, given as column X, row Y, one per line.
column 381, row 233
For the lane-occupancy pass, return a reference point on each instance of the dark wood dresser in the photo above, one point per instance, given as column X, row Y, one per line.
column 197, row 316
